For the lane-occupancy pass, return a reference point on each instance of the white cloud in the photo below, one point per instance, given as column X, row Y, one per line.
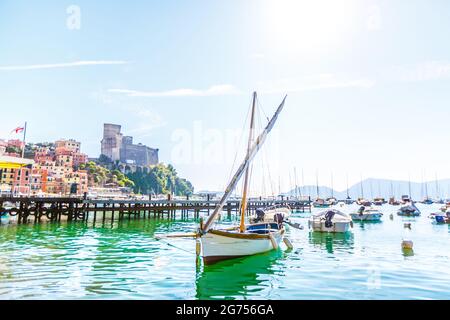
column 315, row 82
column 430, row 70
column 148, row 120
column 217, row 90
column 62, row 65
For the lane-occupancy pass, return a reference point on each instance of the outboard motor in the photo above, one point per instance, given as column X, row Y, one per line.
column 260, row 215
column 361, row 210
column 279, row 218
column 328, row 217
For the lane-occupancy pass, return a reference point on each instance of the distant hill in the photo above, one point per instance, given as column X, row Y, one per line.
column 373, row 188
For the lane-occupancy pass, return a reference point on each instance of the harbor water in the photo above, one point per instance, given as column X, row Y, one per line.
column 123, row 260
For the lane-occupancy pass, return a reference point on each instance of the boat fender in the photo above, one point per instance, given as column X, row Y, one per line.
column 288, row 243
column 407, row 225
column 198, row 248
column 351, row 224
column 407, row 244
column 274, row 242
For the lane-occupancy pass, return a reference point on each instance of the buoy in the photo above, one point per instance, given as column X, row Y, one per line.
column 288, row 243
column 407, row 244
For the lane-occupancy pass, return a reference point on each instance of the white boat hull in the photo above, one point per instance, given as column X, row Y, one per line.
column 340, row 222
column 366, row 217
column 338, row 227
column 217, row 247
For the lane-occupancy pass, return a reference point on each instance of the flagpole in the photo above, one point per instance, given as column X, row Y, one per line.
column 24, row 136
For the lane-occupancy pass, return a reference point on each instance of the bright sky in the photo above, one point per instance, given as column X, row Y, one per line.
column 368, row 82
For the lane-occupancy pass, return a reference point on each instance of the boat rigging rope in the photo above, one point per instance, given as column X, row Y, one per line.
column 174, row 246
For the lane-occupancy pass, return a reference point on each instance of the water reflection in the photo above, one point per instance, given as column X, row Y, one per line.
column 332, row 241
column 238, row 278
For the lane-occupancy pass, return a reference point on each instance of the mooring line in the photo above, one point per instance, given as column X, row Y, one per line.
column 174, row 246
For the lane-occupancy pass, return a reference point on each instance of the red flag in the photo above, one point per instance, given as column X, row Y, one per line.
column 18, row 130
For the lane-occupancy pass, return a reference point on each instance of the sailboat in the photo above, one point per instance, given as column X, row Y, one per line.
column 319, row 202
column 348, row 200
column 243, row 240
column 427, row 199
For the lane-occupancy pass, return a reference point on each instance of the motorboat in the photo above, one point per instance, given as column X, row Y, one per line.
column 443, row 218
column 363, row 202
column 409, row 210
column 393, row 202
column 379, row 201
column 330, row 221
column 321, row 203
column 406, row 199
column 332, row 201
column 271, row 214
column 367, row 214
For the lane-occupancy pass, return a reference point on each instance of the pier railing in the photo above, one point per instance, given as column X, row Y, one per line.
column 36, row 209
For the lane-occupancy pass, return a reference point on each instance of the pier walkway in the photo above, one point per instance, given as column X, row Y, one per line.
column 29, row 209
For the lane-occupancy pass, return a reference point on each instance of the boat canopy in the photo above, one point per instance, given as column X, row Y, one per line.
column 7, row 162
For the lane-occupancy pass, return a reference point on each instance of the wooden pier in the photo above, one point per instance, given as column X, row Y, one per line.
column 29, row 209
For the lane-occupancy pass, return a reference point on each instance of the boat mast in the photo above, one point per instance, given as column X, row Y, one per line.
column 362, row 189
column 348, row 196
column 245, row 191
column 317, row 184
column 332, row 191
column 392, row 190
column 438, row 196
column 245, row 164
column 409, row 187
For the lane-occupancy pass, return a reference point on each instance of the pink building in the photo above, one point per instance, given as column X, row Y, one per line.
column 16, row 143
column 3, row 145
column 22, row 181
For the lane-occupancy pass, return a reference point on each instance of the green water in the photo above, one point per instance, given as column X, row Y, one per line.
column 124, row 261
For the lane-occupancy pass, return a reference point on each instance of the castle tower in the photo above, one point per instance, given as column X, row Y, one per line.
column 112, row 141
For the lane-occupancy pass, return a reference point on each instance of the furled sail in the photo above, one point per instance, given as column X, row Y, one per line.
column 250, row 155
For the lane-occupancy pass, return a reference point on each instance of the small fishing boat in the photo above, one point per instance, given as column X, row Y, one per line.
column 394, row 202
column 379, row 201
column 409, row 210
column 427, row 201
column 406, row 199
column 367, row 214
column 349, row 201
column 330, row 221
column 443, row 218
column 363, row 202
column 321, row 203
column 243, row 240
column 332, row 201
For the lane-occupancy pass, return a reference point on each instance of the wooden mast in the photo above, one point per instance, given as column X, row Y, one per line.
column 246, row 179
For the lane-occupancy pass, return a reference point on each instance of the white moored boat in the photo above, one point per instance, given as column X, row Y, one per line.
column 330, row 221
column 243, row 240
column 367, row 214
column 225, row 244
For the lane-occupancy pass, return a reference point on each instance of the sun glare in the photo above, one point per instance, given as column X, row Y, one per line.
column 299, row 25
